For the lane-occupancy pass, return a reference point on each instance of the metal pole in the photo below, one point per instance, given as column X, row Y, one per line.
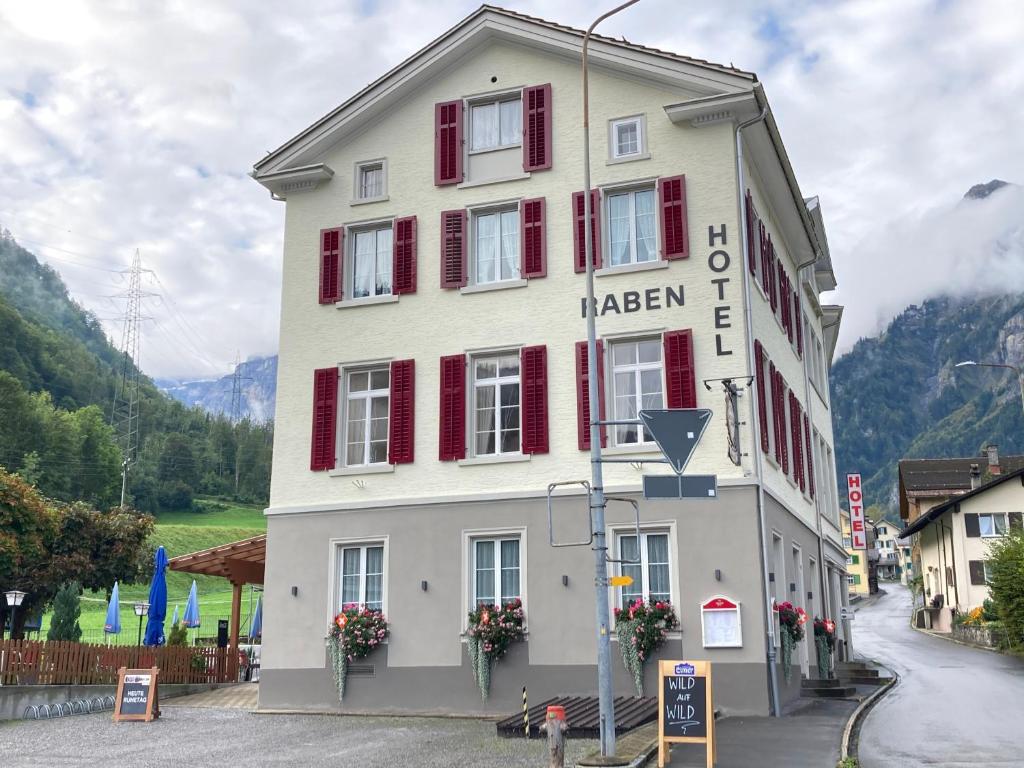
column 605, row 690
column 139, row 641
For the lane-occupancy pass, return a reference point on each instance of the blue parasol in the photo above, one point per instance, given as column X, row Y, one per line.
column 191, row 617
column 112, row 625
column 174, row 619
column 157, row 601
column 256, row 628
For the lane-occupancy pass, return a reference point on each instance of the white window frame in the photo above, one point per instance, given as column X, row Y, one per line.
column 469, row 537
column 368, row 395
column 496, row 382
column 496, row 100
column 644, row 564
column 497, row 598
column 336, row 563
column 353, row 231
column 614, row 531
column 357, row 182
column 607, row 194
column 495, row 209
column 641, row 138
column 755, row 232
column 636, row 369
column 987, row 571
column 995, row 534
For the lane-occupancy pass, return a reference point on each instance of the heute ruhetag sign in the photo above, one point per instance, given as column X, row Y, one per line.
column 855, row 494
column 138, row 697
column 685, row 708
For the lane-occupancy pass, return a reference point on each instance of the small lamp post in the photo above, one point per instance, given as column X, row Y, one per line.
column 14, row 599
column 141, row 609
column 1014, row 368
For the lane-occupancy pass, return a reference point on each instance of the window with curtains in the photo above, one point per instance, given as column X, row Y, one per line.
column 372, row 259
column 632, row 227
column 496, row 404
column 769, row 401
column 495, row 246
column 371, row 180
column 496, row 570
column 627, row 139
column 496, row 123
column 992, row 524
column 361, row 576
column 365, row 420
column 637, row 383
column 652, row 577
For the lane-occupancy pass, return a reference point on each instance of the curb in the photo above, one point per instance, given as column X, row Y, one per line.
column 951, row 639
column 856, row 720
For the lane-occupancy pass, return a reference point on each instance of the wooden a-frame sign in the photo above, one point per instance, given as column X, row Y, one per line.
column 686, row 712
column 138, row 695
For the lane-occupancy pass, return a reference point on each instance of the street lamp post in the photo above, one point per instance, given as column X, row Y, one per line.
column 141, row 609
column 605, row 690
column 1014, row 368
column 14, row 599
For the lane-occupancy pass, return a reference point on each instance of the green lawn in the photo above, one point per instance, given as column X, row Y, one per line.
column 180, row 533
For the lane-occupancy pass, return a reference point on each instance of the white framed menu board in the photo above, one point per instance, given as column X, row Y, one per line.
column 720, row 623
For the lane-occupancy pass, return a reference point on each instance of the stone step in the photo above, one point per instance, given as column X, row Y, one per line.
column 852, row 665
column 839, row 692
column 858, row 672
column 813, row 682
column 864, row 680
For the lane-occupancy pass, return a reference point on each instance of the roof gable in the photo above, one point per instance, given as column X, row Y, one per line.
column 936, row 512
column 485, row 25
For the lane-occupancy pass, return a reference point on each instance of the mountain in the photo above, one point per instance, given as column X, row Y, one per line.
column 257, row 379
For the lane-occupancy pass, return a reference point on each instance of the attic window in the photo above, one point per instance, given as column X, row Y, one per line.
column 627, row 138
column 371, row 181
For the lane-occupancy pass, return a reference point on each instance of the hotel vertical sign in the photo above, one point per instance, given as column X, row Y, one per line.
column 855, row 494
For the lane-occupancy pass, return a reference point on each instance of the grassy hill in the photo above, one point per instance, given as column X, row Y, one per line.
column 180, row 533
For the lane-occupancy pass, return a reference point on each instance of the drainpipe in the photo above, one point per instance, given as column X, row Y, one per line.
column 769, row 620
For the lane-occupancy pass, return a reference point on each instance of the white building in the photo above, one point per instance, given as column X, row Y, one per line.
column 431, row 334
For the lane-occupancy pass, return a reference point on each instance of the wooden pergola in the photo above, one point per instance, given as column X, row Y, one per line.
column 240, row 562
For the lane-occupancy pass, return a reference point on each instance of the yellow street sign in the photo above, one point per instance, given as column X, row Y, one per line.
column 620, row 581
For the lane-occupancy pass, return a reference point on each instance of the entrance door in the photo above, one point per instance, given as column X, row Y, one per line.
column 799, row 599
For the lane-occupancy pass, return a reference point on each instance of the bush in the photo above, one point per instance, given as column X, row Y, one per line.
column 178, row 635
column 1006, row 557
column 989, row 611
column 66, row 610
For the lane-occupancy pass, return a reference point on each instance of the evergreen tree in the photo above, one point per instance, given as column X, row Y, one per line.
column 66, row 610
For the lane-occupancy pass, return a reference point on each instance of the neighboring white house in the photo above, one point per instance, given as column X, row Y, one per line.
column 954, row 540
column 432, row 368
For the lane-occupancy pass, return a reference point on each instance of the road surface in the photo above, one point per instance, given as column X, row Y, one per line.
column 954, row 706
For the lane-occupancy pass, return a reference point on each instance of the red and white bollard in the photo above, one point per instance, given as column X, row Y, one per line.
column 555, row 727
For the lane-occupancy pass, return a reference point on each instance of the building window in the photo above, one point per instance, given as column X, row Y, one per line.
column 496, row 571
column 627, row 137
column 851, row 580
column 495, row 246
column 496, row 404
column 652, row 574
column 882, row 530
column 496, row 124
column 361, row 576
column 987, row 565
column 632, row 227
column 371, row 262
column 636, row 385
column 769, row 402
column 847, row 542
column 367, row 395
column 992, row 524
column 371, row 180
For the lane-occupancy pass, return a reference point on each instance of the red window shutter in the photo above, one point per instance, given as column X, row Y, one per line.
column 751, row 251
column 797, row 439
column 537, row 128
column 773, row 276
column 448, row 142
column 776, row 430
column 680, row 382
column 330, row 264
column 533, row 252
column 762, row 395
column 583, row 395
column 675, row 238
column 766, row 281
column 402, row 412
column 534, row 367
column 404, row 256
column 325, row 411
column 810, row 455
column 578, row 233
column 453, row 408
column 798, row 319
column 453, row 248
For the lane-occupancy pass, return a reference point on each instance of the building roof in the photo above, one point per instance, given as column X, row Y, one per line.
column 240, row 561
column 938, row 511
column 944, row 477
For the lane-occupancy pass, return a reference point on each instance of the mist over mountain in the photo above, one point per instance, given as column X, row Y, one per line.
column 257, row 383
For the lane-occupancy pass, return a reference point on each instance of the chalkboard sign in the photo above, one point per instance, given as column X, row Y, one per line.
column 685, row 708
column 137, row 695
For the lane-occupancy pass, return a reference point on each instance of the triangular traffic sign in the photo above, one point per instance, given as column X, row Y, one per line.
column 677, row 432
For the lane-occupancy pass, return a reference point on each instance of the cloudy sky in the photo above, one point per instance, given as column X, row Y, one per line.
column 129, row 125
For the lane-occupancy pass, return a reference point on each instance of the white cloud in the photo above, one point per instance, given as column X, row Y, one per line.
column 128, row 126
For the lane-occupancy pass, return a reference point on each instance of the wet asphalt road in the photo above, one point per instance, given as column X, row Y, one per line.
column 954, row 705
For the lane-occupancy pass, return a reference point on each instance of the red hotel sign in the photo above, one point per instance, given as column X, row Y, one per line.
column 855, row 493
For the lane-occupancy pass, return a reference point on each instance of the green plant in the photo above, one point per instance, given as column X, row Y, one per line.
column 353, row 634
column 491, row 630
column 641, row 627
column 989, row 611
column 791, row 626
column 178, row 636
column 848, row 762
column 824, row 644
column 66, row 610
column 1006, row 560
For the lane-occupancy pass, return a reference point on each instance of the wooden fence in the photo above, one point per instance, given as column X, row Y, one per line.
column 32, row 662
